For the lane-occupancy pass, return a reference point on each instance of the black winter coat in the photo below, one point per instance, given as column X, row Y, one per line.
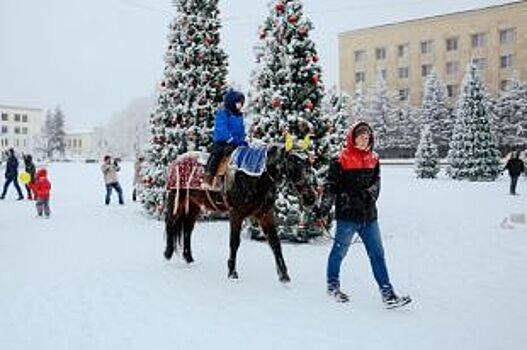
column 515, row 167
column 353, row 191
column 11, row 168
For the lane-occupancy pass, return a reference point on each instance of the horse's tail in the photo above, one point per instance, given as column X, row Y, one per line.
column 174, row 220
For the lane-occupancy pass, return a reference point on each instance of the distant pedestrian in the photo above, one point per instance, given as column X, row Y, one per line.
column 515, row 168
column 41, row 188
column 109, row 169
column 137, row 175
column 11, row 174
column 30, row 169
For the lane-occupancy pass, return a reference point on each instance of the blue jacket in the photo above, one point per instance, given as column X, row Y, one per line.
column 228, row 122
column 11, row 168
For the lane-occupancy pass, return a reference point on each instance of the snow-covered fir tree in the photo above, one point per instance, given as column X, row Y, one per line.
column 286, row 92
column 427, row 156
column 359, row 104
column 511, row 112
column 336, row 115
column 473, row 154
column 54, row 136
column 435, row 112
column 381, row 113
column 403, row 133
column 193, row 85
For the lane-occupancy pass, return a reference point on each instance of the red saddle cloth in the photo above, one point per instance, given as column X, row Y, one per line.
column 187, row 172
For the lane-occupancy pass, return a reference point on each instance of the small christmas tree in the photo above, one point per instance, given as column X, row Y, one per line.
column 192, row 88
column 426, row 157
column 473, row 154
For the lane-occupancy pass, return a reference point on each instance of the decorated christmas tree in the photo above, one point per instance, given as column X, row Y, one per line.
column 286, row 92
column 473, row 154
column 193, row 84
column 426, row 157
column 435, row 113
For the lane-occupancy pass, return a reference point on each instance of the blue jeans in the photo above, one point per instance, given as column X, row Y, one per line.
column 371, row 237
column 118, row 189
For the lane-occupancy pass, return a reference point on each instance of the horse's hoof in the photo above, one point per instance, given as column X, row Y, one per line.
column 189, row 259
column 285, row 279
column 169, row 251
column 233, row 275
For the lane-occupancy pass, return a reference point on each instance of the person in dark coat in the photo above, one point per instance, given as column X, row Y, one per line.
column 515, row 168
column 229, row 131
column 353, row 184
column 11, row 174
column 30, row 169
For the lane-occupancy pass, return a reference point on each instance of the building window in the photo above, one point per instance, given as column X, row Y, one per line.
column 4, row 117
column 403, row 50
column 452, row 68
column 80, row 143
column 24, row 118
column 480, row 63
column 504, row 85
column 17, row 130
column 506, row 61
column 380, row 53
column 383, row 73
column 452, row 91
column 478, row 40
column 507, row 36
column 17, row 117
column 404, row 72
column 4, row 129
column 426, row 69
column 24, row 131
column 451, row 44
column 404, row 94
column 360, row 56
column 360, row 77
column 426, row 47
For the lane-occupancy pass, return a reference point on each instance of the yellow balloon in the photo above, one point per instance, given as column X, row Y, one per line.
column 24, row 177
column 289, row 143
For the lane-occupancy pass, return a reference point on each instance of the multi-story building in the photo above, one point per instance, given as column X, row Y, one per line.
column 85, row 144
column 493, row 38
column 20, row 128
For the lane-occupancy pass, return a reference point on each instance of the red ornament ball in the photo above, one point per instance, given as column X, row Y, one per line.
column 316, row 58
column 279, row 7
column 316, row 79
column 292, row 19
column 263, row 35
column 309, row 105
column 276, row 103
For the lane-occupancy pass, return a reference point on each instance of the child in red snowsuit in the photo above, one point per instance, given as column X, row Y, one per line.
column 41, row 188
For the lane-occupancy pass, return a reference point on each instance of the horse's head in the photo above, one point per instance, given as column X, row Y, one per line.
column 294, row 167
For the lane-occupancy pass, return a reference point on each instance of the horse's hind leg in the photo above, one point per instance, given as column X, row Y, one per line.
column 236, row 226
column 172, row 227
column 188, row 227
column 267, row 224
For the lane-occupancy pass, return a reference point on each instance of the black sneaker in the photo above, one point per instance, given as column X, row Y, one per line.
column 338, row 295
column 392, row 300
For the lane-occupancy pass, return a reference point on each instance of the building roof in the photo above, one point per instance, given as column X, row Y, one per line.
column 429, row 18
column 20, row 108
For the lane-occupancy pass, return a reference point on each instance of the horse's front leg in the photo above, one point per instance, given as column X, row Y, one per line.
column 236, row 226
column 269, row 228
column 188, row 227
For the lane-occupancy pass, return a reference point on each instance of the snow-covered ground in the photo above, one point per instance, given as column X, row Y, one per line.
column 93, row 277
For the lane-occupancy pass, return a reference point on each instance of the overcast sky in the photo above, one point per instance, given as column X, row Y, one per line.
column 94, row 56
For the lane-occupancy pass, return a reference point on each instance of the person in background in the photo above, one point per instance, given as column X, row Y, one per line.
column 515, row 168
column 41, row 188
column 11, row 174
column 30, row 169
column 137, row 175
column 353, row 184
column 109, row 170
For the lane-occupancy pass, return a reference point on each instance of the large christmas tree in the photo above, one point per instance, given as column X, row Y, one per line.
column 193, row 84
column 473, row 154
column 511, row 111
column 286, row 93
column 426, row 157
column 435, row 113
column 382, row 111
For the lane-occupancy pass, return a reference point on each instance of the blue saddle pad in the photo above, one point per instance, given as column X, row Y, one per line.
column 250, row 159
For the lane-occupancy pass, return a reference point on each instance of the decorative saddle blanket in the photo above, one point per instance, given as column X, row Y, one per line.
column 250, row 159
column 187, row 172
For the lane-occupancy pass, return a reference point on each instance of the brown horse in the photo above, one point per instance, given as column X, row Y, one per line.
column 244, row 196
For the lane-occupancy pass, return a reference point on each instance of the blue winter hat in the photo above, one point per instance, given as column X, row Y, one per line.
column 231, row 98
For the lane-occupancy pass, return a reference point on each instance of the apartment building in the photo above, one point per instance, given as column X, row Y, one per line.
column 82, row 145
column 20, row 128
column 493, row 38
